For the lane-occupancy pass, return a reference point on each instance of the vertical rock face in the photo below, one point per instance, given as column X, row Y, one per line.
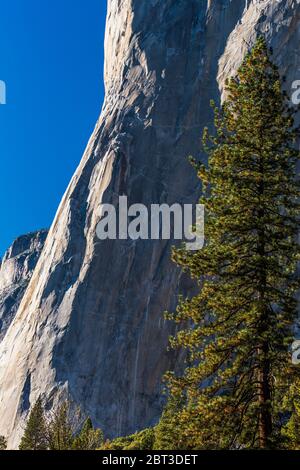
column 15, row 273
column 90, row 325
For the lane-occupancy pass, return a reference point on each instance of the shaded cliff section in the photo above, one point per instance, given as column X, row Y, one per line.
column 90, row 325
column 16, row 269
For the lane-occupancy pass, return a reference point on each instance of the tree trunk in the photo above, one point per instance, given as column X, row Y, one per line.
column 264, row 397
column 264, row 388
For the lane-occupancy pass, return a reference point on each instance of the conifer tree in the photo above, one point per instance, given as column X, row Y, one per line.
column 166, row 435
column 143, row 440
column 291, row 408
column 237, row 330
column 61, row 428
column 35, row 435
column 88, row 438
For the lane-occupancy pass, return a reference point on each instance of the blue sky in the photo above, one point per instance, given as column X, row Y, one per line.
column 51, row 59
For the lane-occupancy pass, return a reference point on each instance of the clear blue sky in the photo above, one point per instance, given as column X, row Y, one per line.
column 51, row 58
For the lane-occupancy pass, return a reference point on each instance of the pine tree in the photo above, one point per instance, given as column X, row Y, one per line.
column 166, row 432
column 238, row 328
column 291, row 408
column 35, row 435
column 61, row 429
column 89, row 438
column 143, row 440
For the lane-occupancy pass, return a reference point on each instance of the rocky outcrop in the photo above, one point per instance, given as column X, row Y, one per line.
column 90, row 324
column 16, row 270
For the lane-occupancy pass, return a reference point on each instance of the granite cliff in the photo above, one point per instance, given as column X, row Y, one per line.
column 90, row 324
column 16, row 270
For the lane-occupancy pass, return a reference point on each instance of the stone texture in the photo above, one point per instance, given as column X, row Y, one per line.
column 16, row 270
column 90, row 324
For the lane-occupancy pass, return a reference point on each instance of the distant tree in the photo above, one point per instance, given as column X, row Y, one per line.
column 3, row 443
column 143, row 440
column 290, row 432
column 35, row 435
column 237, row 330
column 88, row 438
column 60, row 428
column 167, row 436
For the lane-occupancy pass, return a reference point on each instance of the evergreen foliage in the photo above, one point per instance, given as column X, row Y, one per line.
column 88, row 438
column 291, row 408
column 35, row 435
column 143, row 440
column 60, row 428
